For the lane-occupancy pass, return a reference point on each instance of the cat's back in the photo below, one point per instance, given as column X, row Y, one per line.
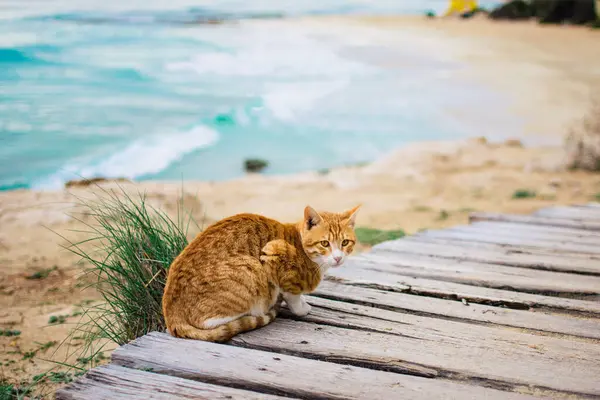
column 239, row 234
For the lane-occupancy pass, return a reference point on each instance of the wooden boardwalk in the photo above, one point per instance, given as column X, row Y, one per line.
column 505, row 308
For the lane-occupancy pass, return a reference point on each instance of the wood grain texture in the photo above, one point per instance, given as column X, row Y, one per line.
column 526, row 234
column 551, row 230
column 589, row 214
column 549, row 245
column 531, row 360
column 456, row 310
column 535, row 220
column 588, row 205
column 496, row 255
column 516, row 249
column 284, row 374
column 473, row 294
column 113, row 382
column 478, row 274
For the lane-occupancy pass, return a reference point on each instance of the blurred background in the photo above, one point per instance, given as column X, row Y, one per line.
column 188, row 89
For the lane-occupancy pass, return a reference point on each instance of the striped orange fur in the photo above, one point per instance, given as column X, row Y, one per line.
column 230, row 278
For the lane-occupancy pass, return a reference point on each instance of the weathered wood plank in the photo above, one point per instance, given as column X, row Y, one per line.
column 113, row 382
column 474, row 294
column 553, row 246
column 574, row 213
column 530, row 235
column 287, row 375
column 472, row 273
column 534, row 220
column 516, row 249
column 588, row 205
column 497, row 255
column 421, row 305
column 567, row 232
column 531, row 360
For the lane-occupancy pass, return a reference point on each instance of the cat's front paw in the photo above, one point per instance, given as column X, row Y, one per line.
column 300, row 308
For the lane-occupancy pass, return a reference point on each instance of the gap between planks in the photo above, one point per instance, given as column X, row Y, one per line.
column 459, row 311
column 457, row 291
column 508, row 257
column 477, row 274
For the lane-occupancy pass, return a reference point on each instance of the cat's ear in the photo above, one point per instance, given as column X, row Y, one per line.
column 311, row 217
column 350, row 215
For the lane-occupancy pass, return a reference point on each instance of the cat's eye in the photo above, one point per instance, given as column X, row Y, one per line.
column 324, row 243
column 345, row 242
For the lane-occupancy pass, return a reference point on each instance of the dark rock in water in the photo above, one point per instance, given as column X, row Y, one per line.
column 565, row 11
column 255, row 165
column 513, row 10
column 93, row 181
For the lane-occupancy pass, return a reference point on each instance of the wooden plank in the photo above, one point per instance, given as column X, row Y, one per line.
column 113, row 382
column 588, row 205
column 457, row 291
column 515, row 249
column 421, row 305
column 499, row 255
column 480, row 339
column 567, row 232
column 284, row 374
column 574, row 213
column 500, row 359
column 552, row 246
column 535, row 220
column 472, row 273
column 496, row 230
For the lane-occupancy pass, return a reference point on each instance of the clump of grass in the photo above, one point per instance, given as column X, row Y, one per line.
column 43, row 274
column 134, row 246
column 9, row 391
column 47, row 345
column 443, row 215
column 54, row 377
column 371, row 237
column 57, row 319
column 596, row 197
column 9, row 332
column 524, row 194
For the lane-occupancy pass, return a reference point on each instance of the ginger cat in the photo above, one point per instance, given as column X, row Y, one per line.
column 229, row 278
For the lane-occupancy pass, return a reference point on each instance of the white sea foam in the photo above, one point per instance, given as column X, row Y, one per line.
column 269, row 50
column 289, row 70
column 143, row 157
column 286, row 100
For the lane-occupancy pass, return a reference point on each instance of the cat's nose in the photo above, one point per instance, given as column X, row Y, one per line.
column 337, row 259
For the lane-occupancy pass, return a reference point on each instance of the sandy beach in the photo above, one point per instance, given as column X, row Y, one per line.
column 549, row 73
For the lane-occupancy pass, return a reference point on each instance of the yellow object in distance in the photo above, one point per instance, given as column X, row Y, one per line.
column 460, row 6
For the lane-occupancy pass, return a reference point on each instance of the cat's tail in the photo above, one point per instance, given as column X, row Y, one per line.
column 223, row 333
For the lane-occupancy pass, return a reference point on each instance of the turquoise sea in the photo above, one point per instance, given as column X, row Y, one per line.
column 140, row 89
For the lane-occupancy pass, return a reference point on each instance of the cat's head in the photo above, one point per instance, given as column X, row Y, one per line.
column 328, row 238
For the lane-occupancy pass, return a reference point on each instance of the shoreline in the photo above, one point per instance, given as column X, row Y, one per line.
column 533, row 100
column 424, row 185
